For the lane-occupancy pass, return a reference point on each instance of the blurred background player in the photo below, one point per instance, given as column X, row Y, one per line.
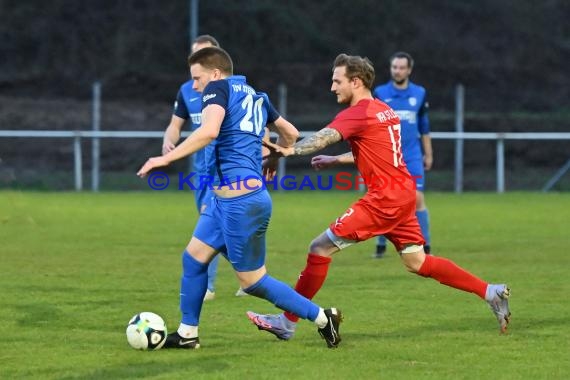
column 237, row 217
column 189, row 107
column 409, row 101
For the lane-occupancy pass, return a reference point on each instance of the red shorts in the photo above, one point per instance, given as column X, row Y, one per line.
column 362, row 222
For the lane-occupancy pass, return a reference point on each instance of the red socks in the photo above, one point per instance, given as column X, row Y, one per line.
column 448, row 273
column 443, row 270
column 311, row 279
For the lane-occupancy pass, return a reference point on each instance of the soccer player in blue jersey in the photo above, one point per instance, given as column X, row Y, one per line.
column 235, row 221
column 189, row 107
column 409, row 101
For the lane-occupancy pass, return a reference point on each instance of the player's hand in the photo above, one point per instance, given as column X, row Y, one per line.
column 277, row 151
column 167, row 146
column 152, row 163
column 323, row 162
column 428, row 162
column 269, row 166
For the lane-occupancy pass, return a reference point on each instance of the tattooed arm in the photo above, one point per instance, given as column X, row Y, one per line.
column 308, row 145
column 316, row 142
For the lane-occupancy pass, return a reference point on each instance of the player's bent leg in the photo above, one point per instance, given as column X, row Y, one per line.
column 315, row 273
column 310, row 281
column 285, row 298
column 448, row 273
column 282, row 296
column 274, row 324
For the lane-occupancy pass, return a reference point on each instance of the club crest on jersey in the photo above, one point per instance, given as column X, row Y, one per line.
column 413, row 101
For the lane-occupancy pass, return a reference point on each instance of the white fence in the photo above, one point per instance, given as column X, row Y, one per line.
column 499, row 138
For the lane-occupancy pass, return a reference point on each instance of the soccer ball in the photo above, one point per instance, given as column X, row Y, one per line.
column 146, row 331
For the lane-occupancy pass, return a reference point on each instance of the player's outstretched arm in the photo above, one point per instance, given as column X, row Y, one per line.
column 286, row 132
column 345, row 158
column 212, row 117
column 308, row 145
column 317, row 141
column 324, row 162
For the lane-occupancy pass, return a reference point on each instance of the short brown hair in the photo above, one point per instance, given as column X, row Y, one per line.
column 356, row 67
column 213, row 58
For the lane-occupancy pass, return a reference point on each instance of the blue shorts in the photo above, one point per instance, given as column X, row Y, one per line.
column 237, row 226
column 416, row 169
column 202, row 194
column 202, row 197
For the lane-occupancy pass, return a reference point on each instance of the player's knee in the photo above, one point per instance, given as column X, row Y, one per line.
column 250, row 278
column 322, row 245
column 318, row 248
column 413, row 257
column 192, row 267
column 412, row 267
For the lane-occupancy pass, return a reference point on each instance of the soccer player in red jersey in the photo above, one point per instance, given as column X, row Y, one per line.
column 388, row 208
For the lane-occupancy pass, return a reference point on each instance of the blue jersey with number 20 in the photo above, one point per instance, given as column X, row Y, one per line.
column 237, row 153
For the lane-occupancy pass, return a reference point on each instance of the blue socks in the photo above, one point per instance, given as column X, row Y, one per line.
column 423, row 219
column 193, row 285
column 381, row 241
column 284, row 297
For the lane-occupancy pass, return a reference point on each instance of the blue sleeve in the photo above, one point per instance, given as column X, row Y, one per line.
column 423, row 120
column 180, row 109
column 272, row 113
column 216, row 92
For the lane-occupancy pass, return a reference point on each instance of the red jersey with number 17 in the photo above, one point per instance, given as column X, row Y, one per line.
column 372, row 130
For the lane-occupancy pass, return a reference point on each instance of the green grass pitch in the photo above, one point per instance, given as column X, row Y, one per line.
column 75, row 267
